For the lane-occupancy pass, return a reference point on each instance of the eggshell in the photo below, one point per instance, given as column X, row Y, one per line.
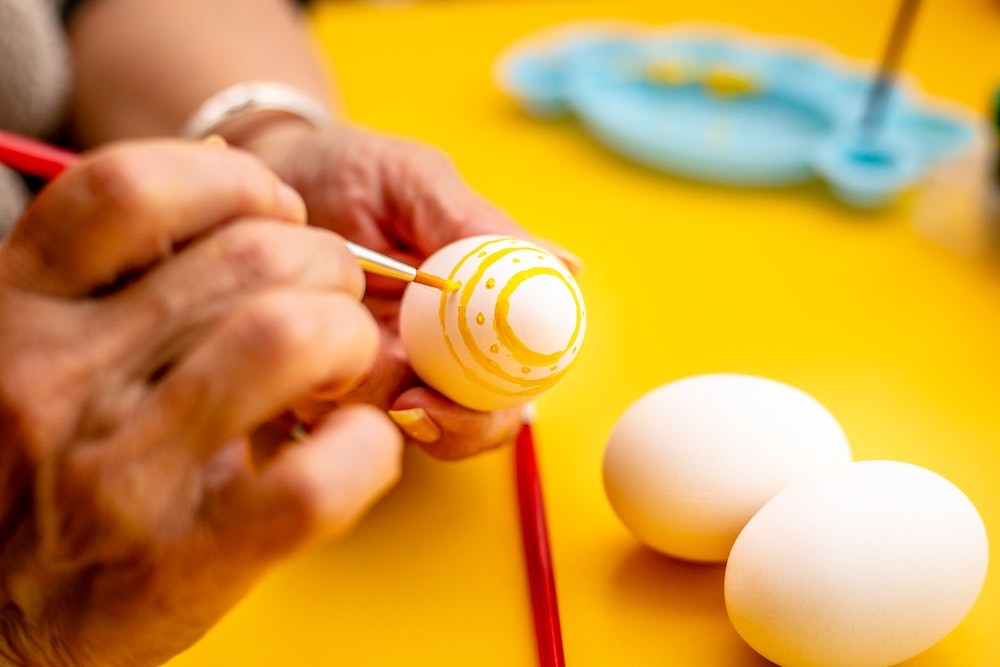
column 865, row 566
column 690, row 462
column 507, row 335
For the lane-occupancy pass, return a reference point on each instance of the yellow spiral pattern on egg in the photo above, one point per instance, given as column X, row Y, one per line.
column 480, row 362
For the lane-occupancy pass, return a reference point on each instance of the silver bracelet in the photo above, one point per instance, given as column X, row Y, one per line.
column 250, row 97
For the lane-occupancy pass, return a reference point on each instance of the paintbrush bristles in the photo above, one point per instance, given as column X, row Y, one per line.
column 442, row 284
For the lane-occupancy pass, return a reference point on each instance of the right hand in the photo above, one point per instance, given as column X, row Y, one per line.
column 404, row 199
column 161, row 306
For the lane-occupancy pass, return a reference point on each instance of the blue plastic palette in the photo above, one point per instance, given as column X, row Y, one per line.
column 722, row 107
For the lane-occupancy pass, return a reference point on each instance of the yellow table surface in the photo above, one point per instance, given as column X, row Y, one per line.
column 898, row 337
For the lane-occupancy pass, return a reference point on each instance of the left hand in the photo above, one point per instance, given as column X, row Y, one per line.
column 405, row 200
column 161, row 306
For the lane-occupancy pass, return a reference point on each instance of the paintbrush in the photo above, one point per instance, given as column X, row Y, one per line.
column 37, row 158
column 537, row 551
column 874, row 111
column 379, row 264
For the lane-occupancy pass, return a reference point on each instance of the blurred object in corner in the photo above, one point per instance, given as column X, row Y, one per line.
column 717, row 104
column 959, row 204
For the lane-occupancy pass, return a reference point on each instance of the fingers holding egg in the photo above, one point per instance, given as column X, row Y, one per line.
column 449, row 431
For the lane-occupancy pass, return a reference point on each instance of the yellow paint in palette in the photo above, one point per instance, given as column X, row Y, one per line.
column 668, row 72
column 729, row 82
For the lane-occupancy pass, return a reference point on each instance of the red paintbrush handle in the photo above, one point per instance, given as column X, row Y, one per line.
column 34, row 157
column 537, row 553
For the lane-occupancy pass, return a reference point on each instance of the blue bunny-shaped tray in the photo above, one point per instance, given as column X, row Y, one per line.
column 717, row 105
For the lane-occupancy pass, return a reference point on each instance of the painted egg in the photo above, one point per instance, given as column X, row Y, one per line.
column 689, row 463
column 863, row 566
column 509, row 332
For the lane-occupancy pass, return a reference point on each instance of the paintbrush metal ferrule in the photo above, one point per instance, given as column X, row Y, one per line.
column 380, row 264
column 383, row 265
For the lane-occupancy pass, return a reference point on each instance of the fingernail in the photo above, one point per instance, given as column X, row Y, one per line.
column 215, row 140
column 291, row 203
column 416, row 423
column 572, row 262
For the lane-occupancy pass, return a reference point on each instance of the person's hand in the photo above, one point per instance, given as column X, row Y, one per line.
column 405, row 200
column 161, row 306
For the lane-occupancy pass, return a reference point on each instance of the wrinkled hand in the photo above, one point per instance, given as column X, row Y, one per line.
column 158, row 303
column 402, row 199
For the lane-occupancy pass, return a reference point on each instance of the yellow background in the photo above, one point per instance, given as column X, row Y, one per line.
column 898, row 337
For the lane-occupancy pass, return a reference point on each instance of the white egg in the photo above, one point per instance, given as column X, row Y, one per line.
column 864, row 566
column 690, row 462
column 507, row 335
